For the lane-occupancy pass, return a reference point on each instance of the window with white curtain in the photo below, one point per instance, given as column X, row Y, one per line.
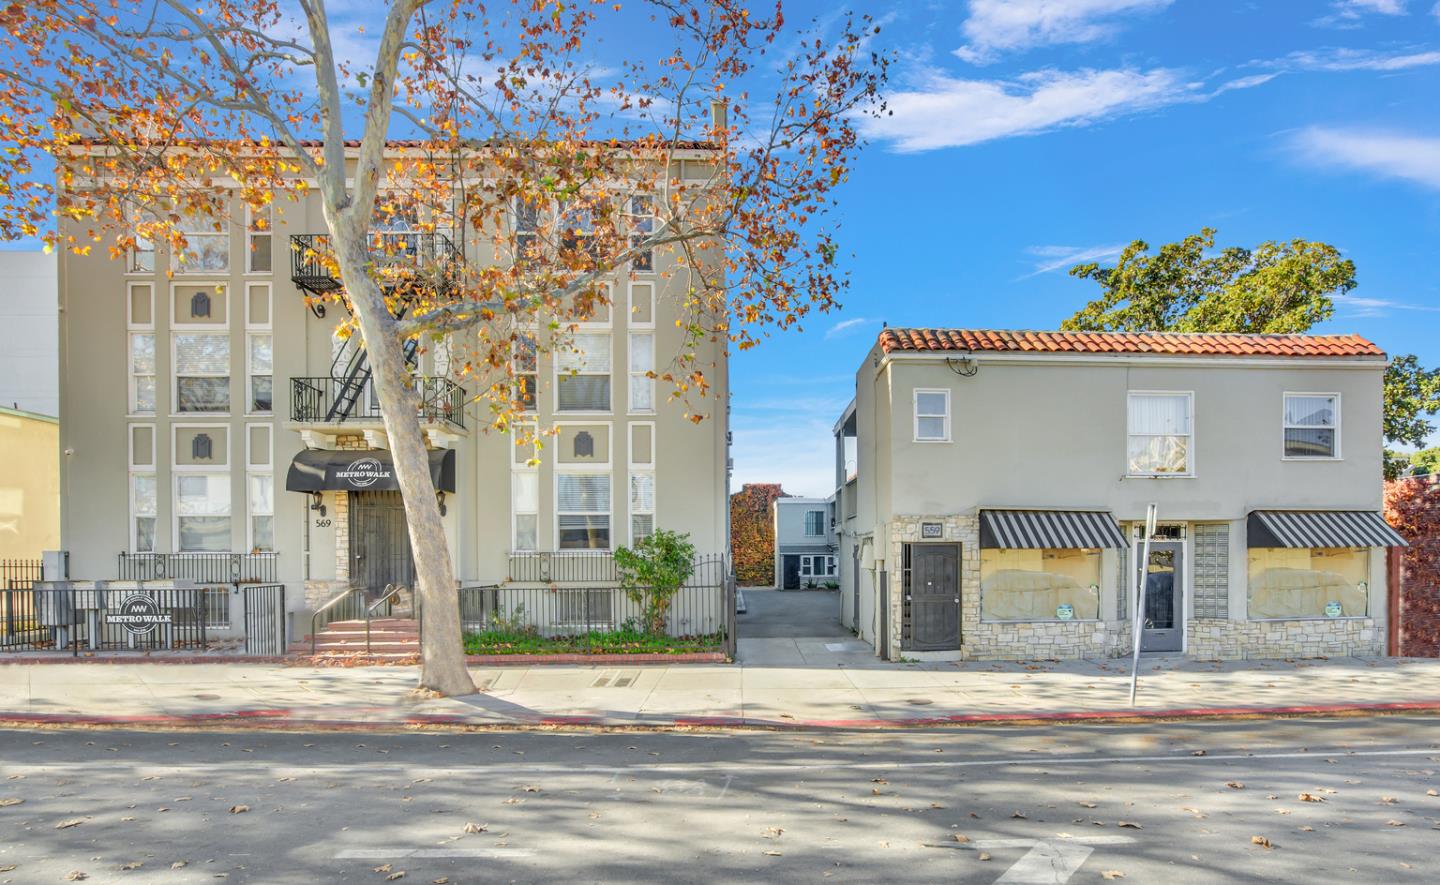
column 142, row 372
column 582, row 505
column 262, row 511
column 642, row 364
column 583, row 374
column 525, row 510
column 202, row 372
column 1160, row 434
column 932, row 415
column 202, row 512
column 642, row 506
column 207, row 244
column 1312, row 425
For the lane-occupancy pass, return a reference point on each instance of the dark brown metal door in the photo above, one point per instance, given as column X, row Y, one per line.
column 934, row 597
column 379, row 541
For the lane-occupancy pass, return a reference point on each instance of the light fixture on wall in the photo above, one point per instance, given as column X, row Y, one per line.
column 440, row 499
column 317, row 502
column 964, row 366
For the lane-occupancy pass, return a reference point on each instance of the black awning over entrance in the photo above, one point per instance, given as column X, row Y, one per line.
column 372, row 470
column 1320, row 528
column 1054, row 529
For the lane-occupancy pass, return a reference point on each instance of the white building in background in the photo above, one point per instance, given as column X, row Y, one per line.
column 29, row 333
column 805, row 543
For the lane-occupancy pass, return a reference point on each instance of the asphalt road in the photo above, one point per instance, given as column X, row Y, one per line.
column 1337, row 801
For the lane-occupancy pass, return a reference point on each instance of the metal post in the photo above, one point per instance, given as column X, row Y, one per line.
column 1150, row 516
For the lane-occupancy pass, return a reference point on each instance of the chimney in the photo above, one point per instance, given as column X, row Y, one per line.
column 719, row 117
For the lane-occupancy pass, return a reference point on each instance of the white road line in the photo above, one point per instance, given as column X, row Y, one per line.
column 387, row 853
column 487, row 767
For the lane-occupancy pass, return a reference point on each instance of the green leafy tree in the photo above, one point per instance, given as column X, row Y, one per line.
column 653, row 571
column 1275, row 288
column 1426, row 461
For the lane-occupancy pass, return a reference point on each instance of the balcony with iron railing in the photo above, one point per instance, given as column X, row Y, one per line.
column 398, row 257
column 327, row 401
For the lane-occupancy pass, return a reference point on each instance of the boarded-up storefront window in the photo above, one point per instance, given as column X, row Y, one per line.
column 1039, row 585
column 1288, row 582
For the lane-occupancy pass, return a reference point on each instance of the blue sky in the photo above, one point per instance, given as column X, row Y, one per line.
column 1029, row 135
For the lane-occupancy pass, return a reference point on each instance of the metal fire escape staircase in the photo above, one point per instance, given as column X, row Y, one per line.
column 352, row 379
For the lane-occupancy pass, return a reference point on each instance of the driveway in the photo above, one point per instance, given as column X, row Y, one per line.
column 785, row 628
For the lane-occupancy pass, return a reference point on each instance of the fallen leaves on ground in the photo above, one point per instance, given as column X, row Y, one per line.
column 1112, row 874
column 132, row 865
column 476, row 828
column 383, row 868
column 1311, row 797
column 239, row 809
column 180, row 865
column 1235, row 785
column 7, row 801
column 72, row 822
column 1394, row 823
column 398, row 874
column 1262, row 841
column 960, row 838
column 773, row 853
column 1130, row 824
column 984, row 855
column 773, row 832
column 1019, row 815
column 76, row 876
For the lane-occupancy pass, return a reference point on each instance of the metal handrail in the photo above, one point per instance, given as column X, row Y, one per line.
column 391, row 591
column 339, row 598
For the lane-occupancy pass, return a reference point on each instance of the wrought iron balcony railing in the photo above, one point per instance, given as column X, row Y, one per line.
column 328, row 400
column 397, row 256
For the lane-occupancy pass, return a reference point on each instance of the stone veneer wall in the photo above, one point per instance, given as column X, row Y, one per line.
column 993, row 641
column 1234, row 640
column 317, row 593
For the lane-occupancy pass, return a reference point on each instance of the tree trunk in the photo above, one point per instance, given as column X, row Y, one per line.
column 442, row 657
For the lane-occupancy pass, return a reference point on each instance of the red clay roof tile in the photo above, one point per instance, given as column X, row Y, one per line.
column 1188, row 344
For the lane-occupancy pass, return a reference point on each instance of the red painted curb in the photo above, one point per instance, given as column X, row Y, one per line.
column 698, row 657
column 291, row 719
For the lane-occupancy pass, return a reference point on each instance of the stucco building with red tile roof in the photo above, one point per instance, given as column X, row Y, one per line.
column 993, row 488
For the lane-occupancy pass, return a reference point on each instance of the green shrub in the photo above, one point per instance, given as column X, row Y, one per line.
column 653, row 572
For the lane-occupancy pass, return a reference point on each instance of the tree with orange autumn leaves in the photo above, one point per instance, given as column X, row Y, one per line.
column 139, row 121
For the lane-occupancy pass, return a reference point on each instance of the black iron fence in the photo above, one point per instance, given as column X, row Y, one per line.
column 215, row 568
column 90, row 616
column 265, row 625
column 311, row 398
column 20, row 574
column 396, row 257
column 508, row 618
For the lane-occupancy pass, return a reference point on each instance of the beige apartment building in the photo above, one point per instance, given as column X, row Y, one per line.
column 209, row 415
column 994, row 488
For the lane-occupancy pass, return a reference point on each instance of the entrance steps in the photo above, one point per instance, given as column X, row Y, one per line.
column 391, row 639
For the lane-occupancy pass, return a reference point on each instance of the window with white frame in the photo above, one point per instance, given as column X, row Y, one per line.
column 207, row 243
column 1160, row 434
column 817, row 566
column 642, row 370
column 814, row 523
column 261, row 495
column 1312, row 425
column 525, row 221
column 582, row 507
column 932, row 416
column 142, row 373
column 525, row 509
column 583, row 374
column 261, row 372
column 202, row 372
column 577, row 226
column 525, row 369
column 259, row 231
column 642, row 225
column 144, row 493
column 202, row 512
column 642, row 505
column 140, row 258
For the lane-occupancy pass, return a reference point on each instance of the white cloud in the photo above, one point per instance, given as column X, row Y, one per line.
column 1348, row 13
column 1358, row 306
column 995, row 26
column 944, row 111
column 1388, row 154
column 786, row 440
column 845, row 327
column 1053, row 258
column 1354, row 60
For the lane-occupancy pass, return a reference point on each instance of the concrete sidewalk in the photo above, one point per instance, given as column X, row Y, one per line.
column 781, row 683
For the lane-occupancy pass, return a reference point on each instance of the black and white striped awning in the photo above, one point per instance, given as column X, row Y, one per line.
column 1049, row 529
column 1320, row 528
